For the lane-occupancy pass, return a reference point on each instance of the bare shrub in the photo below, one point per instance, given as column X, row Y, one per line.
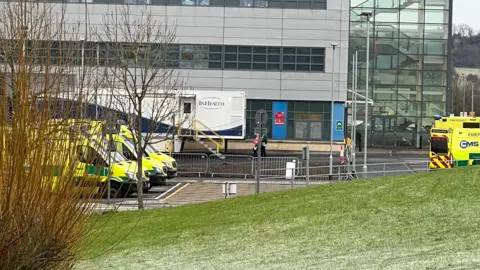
column 44, row 198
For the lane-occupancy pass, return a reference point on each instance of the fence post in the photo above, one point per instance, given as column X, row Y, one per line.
column 257, row 174
column 339, row 172
column 306, row 157
column 293, row 173
column 308, row 172
column 384, row 169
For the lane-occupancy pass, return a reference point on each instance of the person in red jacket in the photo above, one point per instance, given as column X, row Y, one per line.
column 263, row 147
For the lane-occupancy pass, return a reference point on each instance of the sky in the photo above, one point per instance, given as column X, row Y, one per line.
column 467, row 12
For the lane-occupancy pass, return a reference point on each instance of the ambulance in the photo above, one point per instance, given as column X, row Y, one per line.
column 154, row 169
column 451, row 122
column 95, row 158
column 169, row 161
column 454, row 142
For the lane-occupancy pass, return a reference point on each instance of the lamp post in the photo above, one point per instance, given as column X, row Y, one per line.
column 473, row 98
column 367, row 15
column 352, row 122
column 82, row 75
column 464, row 90
column 334, row 45
column 354, row 113
column 96, row 79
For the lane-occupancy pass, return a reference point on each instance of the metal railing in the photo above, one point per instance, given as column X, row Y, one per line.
column 196, row 164
column 215, row 134
column 375, row 170
column 201, row 129
column 231, row 166
column 275, row 168
column 274, row 174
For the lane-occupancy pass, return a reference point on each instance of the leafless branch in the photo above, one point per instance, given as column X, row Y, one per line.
column 138, row 75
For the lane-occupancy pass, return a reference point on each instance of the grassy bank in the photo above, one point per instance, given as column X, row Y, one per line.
column 418, row 221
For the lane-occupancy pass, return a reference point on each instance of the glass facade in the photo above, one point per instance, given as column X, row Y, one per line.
column 408, row 67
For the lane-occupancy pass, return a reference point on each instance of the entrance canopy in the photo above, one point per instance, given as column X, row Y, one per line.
column 360, row 98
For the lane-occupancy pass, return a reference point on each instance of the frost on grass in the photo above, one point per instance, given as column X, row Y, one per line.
column 394, row 229
column 285, row 256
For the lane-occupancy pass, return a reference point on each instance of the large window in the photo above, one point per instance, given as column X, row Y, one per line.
column 192, row 56
column 290, row 4
column 267, row 58
column 253, row 106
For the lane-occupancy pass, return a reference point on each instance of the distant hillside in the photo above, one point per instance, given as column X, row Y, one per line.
column 468, row 71
column 466, row 47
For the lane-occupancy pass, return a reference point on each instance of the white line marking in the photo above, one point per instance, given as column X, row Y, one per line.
column 160, row 196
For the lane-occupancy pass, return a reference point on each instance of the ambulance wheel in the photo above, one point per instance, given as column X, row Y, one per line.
column 115, row 190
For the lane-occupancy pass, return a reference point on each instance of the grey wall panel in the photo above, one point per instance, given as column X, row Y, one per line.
column 260, row 27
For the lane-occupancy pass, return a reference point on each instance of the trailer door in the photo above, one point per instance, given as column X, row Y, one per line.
column 187, row 112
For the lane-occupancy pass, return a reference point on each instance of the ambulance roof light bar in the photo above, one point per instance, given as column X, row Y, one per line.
column 462, row 114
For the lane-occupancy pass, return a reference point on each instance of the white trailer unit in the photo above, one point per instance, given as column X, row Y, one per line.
column 215, row 113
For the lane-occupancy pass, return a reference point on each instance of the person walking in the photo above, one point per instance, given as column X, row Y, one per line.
column 348, row 148
column 358, row 140
column 263, row 145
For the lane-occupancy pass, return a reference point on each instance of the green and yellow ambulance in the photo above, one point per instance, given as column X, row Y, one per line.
column 94, row 158
column 169, row 161
column 156, row 171
column 454, row 141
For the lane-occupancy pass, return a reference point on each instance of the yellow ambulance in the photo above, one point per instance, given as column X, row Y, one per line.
column 443, row 151
column 457, row 147
column 169, row 161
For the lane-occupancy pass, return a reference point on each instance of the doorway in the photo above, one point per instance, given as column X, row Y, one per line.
column 187, row 113
column 309, row 130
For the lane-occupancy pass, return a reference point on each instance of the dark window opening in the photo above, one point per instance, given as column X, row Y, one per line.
column 187, row 107
column 471, row 125
column 439, row 146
